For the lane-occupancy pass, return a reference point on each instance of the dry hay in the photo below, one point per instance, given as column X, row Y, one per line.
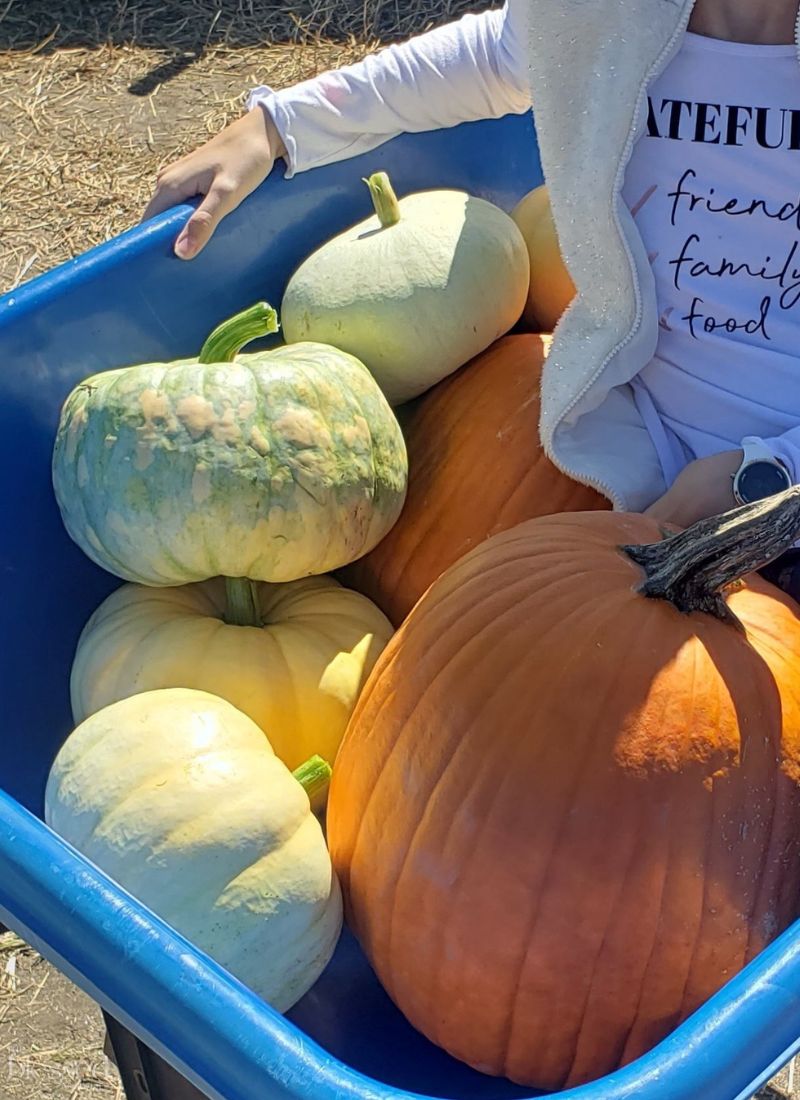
column 94, row 98
column 196, row 24
column 83, row 152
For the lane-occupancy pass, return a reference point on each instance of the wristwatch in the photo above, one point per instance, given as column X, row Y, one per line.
column 760, row 474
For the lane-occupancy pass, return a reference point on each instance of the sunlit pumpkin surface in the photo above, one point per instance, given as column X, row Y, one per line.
column 297, row 675
column 565, row 814
column 180, row 799
column 416, row 299
column 551, row 288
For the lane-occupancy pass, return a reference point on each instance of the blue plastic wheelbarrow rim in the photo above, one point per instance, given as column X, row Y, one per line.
column 230, row 1044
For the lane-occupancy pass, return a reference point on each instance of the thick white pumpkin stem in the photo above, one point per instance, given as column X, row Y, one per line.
column 228, row 338
column 383, row 199
column 313, row 776
column 242, row 597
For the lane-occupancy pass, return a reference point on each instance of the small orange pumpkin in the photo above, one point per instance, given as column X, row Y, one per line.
column 476, row 467
column 551, row 287
column 567, row 807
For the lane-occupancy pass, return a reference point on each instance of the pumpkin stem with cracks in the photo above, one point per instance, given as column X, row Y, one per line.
column 242, row 599
column 692, row 568
column 383, row 199
column 228, row 338
column 313, row 776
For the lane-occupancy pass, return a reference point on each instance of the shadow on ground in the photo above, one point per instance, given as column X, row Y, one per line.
column 191, row 26
column 185, row 30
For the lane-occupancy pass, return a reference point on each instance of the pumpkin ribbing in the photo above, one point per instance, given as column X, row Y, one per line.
column 551, row 287
column 180, row 799
column 415, row 290
column 563, row 813
column 293, row 657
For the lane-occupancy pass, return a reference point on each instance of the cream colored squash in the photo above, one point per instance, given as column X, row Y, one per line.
column 297, row 674
column 414, row 291
column 180, row 799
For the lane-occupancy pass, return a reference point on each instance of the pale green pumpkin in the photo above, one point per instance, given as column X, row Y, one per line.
column 271, row 465
column 414, row 291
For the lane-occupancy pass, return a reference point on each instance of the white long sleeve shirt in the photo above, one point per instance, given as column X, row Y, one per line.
column 713, row 187
column 471, row 69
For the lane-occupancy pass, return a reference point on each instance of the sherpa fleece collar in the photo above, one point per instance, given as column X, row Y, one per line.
column 591, row 62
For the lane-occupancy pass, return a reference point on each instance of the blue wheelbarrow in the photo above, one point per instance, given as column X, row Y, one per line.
column 179, row 1025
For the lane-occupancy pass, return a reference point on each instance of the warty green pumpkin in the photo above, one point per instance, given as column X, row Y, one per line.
column 179, row 798
column 271, row 465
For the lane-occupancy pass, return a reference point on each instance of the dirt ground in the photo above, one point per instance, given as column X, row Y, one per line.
column 85, row 129
column 51, row 1035
column 94, row 98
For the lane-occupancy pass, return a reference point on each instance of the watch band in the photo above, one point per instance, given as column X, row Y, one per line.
column 756, row 450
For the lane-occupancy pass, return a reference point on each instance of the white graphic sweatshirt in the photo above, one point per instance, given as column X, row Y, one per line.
column 711, row 184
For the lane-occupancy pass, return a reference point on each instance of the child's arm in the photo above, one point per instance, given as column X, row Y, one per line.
column 705, row 487
column 474, row 68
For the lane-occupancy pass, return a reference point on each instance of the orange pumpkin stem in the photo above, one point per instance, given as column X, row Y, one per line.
column 692, row 568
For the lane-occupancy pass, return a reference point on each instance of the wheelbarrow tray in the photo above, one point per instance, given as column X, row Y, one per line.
column 130, row 301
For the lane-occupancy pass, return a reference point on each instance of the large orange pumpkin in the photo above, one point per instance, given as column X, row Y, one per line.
column 476, row 467
column 565, row 813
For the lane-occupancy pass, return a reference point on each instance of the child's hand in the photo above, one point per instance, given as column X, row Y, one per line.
column 702, row 489
column 226, row 169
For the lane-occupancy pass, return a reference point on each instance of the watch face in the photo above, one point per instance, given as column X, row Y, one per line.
column 761, row 479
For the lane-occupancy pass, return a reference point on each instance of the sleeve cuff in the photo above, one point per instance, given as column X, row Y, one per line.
column 272, row 102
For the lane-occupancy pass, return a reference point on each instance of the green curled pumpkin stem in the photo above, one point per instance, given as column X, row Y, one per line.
column 229, row 337
column 692, row 568
column 313, row 776
column 242, row 599
column 383, row 199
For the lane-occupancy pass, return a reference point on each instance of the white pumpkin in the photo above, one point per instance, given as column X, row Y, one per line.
column 414, row 291
column 179, row 798
column 295, row 662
